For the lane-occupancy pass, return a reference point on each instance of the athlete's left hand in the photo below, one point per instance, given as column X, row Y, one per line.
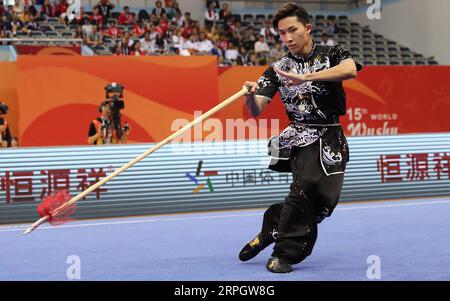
column 293, row 79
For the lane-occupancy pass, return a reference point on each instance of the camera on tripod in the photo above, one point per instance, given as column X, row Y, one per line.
column 114, row 97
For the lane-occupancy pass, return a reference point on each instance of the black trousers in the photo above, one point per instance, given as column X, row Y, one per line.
column 313, row 195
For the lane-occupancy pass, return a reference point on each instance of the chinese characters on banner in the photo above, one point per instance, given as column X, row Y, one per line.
column 418, row 167
column 254, row 177
column 20, row 186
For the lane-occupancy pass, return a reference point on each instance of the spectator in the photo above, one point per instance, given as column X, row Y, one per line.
column 61, row 10
column 243, row 58
column 48, row 10
column 125, row 17
column 153, row 33
column 231, row 54
column 83, row 16
column 186, row 31
column 217, row 51
column 224, row 42
column 158, row 10
column 97, row 17
column 147, row 43
column 113, row 31
column 138, row 29
column 136, row 49
column 143, row 15
column 5, row 134
column 204, row 46
column 331, row 27
column 268, row 32
column 179, row 19
column 215, row 2
column 177, row 40
column 276, row 52
column 225, row 13
column 176, row 9
column 249, row 38
column 117, row 50
column 261, row 46
column 105, row 7
column 191, row 45
column 160, row 44
column 5, row 26
column 126, row 42
column 211, row 16
column 16, row 24
column 32, row 9
column 326, row 40
column 213, row 34
column 253, row 59
column 31, row 24
column 237, row 32
column 94, row 38
column 164, row 23
column 78, row 34
column 187, row 18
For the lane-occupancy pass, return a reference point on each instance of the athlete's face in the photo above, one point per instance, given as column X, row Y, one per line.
column 293, row 33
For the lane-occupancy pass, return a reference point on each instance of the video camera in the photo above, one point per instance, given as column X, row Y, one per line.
column 114, row 97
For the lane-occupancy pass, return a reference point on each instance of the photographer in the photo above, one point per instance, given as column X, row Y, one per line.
column 107, row 129
column 102, row 129
column 5, row 134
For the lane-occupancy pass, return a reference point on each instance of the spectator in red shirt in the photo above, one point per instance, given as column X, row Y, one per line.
column 47, row 9
column 113, row 31
column 61, row 8
column 126, row 17
column 97, row 17
column 138, row 29
column 164, row 23
column 187, row 31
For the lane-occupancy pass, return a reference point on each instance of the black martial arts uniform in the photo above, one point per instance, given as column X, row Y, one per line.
column 313, row 147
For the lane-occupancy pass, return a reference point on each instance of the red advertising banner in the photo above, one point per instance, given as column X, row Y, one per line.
column 48, row 50
column 58, row 96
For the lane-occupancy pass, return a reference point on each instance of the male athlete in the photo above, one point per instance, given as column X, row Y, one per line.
column 313, row 147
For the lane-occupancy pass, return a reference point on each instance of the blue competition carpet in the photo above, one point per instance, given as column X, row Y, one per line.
column 411, row 239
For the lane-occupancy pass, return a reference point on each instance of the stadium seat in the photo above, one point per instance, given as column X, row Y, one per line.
column 51, row 33
column 261, row 17
column 36, row 33
column 248, row 17
column 66, row 34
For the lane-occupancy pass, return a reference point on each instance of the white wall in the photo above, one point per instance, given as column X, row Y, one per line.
column 424, row 26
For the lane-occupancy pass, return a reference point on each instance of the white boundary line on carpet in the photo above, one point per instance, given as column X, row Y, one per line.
column 81, row 225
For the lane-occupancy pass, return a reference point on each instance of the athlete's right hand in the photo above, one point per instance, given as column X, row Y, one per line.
column 251, row 87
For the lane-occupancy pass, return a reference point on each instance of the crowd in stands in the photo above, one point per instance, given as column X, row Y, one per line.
column 164, row 29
